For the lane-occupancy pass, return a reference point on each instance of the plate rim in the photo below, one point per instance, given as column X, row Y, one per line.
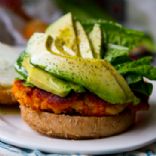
column 61, row 150
column 88, row 152
column 24, row 144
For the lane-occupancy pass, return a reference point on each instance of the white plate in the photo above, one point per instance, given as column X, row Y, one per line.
column 14, row 131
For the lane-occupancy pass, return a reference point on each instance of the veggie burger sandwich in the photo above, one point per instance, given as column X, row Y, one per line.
column 77, row 80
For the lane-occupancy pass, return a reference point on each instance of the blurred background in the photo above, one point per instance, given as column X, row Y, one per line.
column 19, row 19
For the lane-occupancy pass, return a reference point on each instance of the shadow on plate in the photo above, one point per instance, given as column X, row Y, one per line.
column 9, row 110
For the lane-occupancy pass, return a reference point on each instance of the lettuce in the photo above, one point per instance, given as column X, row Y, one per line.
column 135, row 71
column 18, row 66
column 132, row 78
column 117, row 34
column 132, row 71
column 142, row 88
column 119, row 41
column 116, row 53
column 141, row 67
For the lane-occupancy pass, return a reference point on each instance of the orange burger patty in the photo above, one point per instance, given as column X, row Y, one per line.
column 86, row 104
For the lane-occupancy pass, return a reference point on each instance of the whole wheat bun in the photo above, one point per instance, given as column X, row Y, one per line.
column 7, row 97
column 8, row 57
column 76, row 127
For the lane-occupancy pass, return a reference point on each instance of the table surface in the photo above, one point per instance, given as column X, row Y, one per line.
column 10, row 150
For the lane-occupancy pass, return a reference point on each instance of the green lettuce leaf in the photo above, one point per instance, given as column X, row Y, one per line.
column 132, row 78
column 135, row 71
column 142, row 87
column 142, row 61
column 116, row 52
column 117, row 34
column 141, row 67
column 19, row 68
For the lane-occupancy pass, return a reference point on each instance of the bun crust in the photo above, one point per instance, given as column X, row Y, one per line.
column 7, row 97
column 77, row 127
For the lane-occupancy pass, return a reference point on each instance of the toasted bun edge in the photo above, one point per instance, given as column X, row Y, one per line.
column 76, row 127
column 7, row 97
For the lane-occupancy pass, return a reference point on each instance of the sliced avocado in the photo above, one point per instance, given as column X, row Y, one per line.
column 48, row 82
column 123, row 84
column 41, row 79
column 98, row 76
column 95, row 37
column 41, row 41
column 63, row 32
column 37, row 40
column 83, row 42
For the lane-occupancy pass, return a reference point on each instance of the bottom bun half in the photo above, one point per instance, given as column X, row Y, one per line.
column 77, row 127
column 7, row 97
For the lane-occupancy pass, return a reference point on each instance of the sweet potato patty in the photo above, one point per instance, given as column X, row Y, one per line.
column 86, row 104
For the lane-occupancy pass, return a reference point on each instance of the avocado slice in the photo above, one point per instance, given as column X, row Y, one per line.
column 83, row 42
column 48, row 82
column 40, row 78
column 98, row 76
column 39, row 41
column 95, row 37
column 63, row 33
